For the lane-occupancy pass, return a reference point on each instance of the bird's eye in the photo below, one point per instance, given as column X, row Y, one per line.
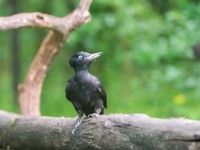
column 80, row 57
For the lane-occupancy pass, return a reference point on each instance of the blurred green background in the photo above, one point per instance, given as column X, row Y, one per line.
column 147, row 67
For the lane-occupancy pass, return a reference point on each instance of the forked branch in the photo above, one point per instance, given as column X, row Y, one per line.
column 30, row 90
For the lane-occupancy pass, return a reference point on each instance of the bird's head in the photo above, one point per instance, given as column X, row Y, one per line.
column 82, row 60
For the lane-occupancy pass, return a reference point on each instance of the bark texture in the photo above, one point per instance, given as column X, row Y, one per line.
column 113, row 132
column 30, row 91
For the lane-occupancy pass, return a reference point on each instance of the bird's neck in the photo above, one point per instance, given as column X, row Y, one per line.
column 81, row 72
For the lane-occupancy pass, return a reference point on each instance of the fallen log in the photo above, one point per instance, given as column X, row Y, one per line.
column 113, row 132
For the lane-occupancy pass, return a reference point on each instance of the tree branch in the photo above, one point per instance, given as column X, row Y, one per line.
column 113, row 132
column 36, row 19
column 30, row 90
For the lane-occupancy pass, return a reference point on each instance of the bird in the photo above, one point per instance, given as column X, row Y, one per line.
column 84, row 90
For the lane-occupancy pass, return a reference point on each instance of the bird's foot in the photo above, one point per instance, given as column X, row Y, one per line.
column 73, row 130
column 93, row 115
column 77, row 124
column 85, row 117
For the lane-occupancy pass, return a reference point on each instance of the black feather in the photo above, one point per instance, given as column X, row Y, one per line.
column 84, row 90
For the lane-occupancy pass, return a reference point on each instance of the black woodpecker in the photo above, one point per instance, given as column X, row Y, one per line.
column 84, row 90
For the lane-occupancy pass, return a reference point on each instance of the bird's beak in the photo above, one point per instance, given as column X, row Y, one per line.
column 94, row 56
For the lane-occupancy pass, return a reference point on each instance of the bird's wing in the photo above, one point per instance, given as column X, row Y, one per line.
column 67, row 89
column 103, row 94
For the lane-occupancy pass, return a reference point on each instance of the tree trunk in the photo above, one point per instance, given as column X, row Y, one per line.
column 113, row 132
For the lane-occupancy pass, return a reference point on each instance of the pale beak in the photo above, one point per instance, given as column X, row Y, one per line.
column 92, row 57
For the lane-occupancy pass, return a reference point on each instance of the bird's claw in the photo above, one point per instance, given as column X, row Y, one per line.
column 77, row 124
column 73, row 131
column 93, row 115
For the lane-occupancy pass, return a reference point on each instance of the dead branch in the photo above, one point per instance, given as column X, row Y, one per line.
column 30, row 90
column 36, row 19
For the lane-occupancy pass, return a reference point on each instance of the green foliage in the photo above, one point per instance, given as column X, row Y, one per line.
column 147, row 66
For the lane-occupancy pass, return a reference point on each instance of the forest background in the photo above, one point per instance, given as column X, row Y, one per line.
column 147, row 65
